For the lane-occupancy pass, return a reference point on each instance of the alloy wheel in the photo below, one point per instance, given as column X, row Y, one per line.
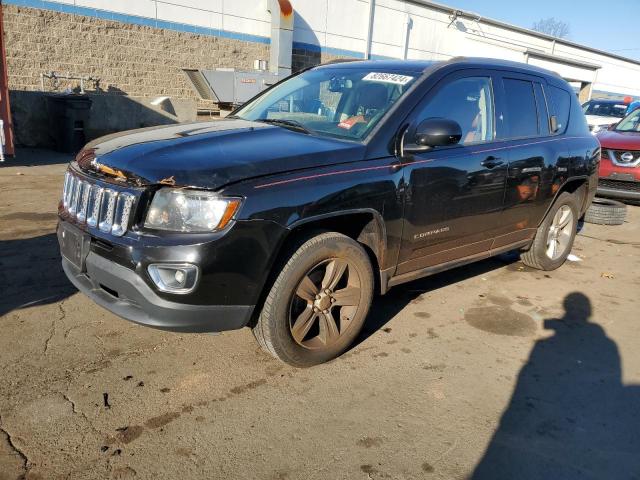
column 325, row 303
column 560, row 231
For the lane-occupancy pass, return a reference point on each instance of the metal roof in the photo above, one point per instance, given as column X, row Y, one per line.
column 557, row 59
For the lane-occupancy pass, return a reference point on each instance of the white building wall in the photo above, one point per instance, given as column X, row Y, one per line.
column 249, row 17
column 341, row 26
column 433, row 36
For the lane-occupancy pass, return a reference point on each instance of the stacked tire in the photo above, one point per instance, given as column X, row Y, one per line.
column 604, row 211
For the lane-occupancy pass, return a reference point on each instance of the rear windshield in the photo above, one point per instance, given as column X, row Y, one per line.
column 336, row 102
column 607, row 109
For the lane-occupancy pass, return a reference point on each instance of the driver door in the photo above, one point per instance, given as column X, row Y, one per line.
column 455, row 194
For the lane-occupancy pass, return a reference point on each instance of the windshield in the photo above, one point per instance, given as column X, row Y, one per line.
column 631, row 123
column 607, row 109
column 335, row 102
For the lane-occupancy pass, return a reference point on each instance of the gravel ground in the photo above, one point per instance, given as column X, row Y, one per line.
column 491, row 371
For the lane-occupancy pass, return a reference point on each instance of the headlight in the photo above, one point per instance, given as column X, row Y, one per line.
column 181, row 210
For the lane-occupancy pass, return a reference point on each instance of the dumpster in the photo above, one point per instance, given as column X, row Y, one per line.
column 68, row 117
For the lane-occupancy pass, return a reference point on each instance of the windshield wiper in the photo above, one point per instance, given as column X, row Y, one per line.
column 290, row 124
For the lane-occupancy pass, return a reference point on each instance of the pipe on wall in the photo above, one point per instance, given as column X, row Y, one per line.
column 6, row 127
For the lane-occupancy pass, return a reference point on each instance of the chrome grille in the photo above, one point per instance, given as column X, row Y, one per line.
column 73, row 197
column 625, row 158
column 93, row 208
column 122, row 213
column 106, row 209
column 99, row 207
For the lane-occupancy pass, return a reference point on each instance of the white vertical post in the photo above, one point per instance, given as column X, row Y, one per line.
column 407, row 30
column 281, row 37
column 367, row 47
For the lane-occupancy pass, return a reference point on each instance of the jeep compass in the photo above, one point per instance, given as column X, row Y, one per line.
column 333, row 185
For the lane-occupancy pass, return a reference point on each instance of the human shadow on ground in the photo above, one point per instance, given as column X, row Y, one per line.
column 570, row 416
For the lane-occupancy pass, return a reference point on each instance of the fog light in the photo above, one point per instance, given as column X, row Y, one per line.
column 174, row 277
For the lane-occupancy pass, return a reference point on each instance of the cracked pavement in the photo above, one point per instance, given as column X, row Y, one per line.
column 488, row 371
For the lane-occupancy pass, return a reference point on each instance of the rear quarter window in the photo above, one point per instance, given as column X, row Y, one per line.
column 562, row 102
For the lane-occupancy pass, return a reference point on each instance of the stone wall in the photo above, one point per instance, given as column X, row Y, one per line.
column 134, row 64
column 129, row 59
column 303, row 58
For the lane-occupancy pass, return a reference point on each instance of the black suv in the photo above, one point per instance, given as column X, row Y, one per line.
column 337, row 183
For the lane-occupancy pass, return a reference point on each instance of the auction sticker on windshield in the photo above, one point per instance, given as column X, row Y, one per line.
column 388, row 78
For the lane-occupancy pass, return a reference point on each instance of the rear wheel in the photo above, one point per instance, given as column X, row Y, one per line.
column 318, row 303
column 554, row 238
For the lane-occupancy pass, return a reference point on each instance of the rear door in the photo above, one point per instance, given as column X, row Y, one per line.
column 533, row 156
column 454, row 194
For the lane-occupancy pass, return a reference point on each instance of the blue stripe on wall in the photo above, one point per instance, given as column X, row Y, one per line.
column 137, row 20
column 330, row 50
column 179, row 27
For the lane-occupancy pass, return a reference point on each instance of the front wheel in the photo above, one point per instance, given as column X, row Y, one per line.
column 554, row 238
column 318, row 302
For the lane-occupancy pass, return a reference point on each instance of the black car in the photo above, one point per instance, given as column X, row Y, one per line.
column 333, row 185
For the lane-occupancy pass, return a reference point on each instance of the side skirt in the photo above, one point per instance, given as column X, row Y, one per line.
column 388, row 280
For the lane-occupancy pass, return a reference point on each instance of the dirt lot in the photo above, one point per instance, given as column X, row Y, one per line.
column 492, row 371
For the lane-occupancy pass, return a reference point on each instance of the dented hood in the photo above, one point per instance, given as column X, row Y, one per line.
column 210, row 154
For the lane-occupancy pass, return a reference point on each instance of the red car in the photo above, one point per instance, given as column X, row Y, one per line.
column 620, row 161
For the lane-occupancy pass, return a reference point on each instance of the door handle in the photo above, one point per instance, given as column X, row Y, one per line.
column 491, row 162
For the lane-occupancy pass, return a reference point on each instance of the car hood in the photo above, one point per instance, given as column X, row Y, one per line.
column 599, row 120
column 619, row 140
column 211, row 154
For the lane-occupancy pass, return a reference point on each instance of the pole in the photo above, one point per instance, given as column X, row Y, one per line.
column 367, row 47
column 5, row 106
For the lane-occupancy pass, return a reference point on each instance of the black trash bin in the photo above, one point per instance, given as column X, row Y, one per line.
column 68, row 117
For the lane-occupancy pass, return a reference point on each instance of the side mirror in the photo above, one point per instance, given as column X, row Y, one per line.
column 613, row 126
column 433, row 132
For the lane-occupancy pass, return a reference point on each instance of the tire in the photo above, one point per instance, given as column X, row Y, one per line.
column 538, row 256
column 298, row 293
column 604, row 211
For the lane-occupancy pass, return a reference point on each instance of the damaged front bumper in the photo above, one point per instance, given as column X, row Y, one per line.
column 121, row 291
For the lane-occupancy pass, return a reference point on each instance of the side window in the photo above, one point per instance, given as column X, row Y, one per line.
column 522, row 114
column 468, row 101
column 562, row 102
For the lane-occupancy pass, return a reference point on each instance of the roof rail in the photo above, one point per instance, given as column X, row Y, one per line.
column 342, row 60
